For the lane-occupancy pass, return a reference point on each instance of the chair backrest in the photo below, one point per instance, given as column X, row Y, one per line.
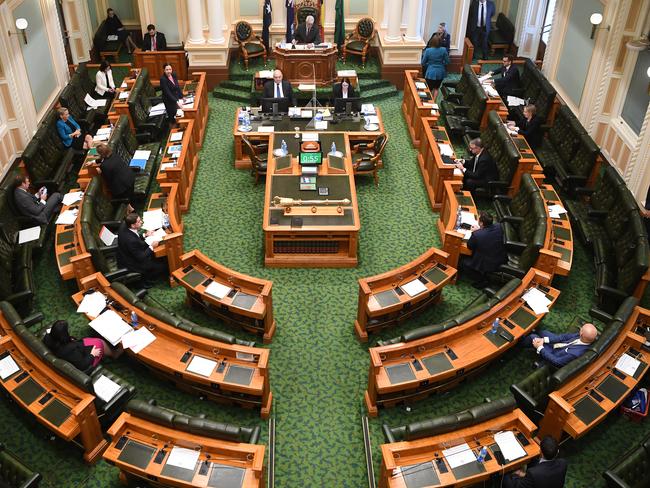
column 251, row 153
column 243, row 32
column 506, row 28
column 380, row 145
column 365, row 29
column 307, row 7
column 99, row 39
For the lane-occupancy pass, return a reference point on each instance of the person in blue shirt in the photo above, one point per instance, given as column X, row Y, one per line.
column 435, row 60
column 560, row 349
column 70, row 132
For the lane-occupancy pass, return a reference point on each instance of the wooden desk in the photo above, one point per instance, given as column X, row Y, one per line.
column 65, row 243
column 53, row 400
column 249, row 304
column 200, row 110
column 383, row 303
column 494, row 103
column 453, row 241
column 143, row 439
column 434, row 171
column 259, row 80
column 587, row 398
column 243, row 381
column 153, row 61
column 168, row 201
column 90, row 166
column 414, row 106
column 307, row 65
column 400, row 460
column 446, row 359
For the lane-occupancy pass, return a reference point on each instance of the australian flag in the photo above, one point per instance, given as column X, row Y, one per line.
column 267, row 23
column 289, row 35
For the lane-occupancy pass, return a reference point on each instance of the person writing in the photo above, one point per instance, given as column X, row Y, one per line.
column 435, row 58
column 70, row 132
column 104, row 84
column 119, row 177
column 37, row 206
column 547, row 472
column 531, row 127
column 508, row 81
column 278, row 88
column 488, row 251
column 307, row 32
column 83, row 354
column 153, row 40
column 560, row 349
column 172, row 95
column 343, row 89
column 114, row 27
column 479, row 169
column 134, row 254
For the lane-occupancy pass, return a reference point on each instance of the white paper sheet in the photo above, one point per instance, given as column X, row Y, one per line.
column 306, row 87
column 320, row 125
column 515, row 101
column 459, row 455
column 183, row 458
column 413, row 288
column 343, row 73
column 368, row 108
column 509, row 445
column 201, row 365
column 158, row 235
column 29, row 235
column 217, row 290
column 92, row 304
column 68, row 217
column 554, row 211
column 265, row 128
column 466, row 234
column 166, row 166
column 627, row 364
column 8, row 367
column 485, row 77
column 110, row 326
column 310, row 136
column 137, row 340
column 72, row 197
column 536, row 300
column 420, row 85
column 123, row 95
column 445, row 149
column 123, row 85
column 112, row 37
column 266, row 73
column 157, row 109
column 106, row 236
column 490, row 90
column 91, row 102
column 105, row 388
column 458, row 172
column 468, row 218
column 152, row 219
column 176, row 136
column 244, row 356
column 140, row 154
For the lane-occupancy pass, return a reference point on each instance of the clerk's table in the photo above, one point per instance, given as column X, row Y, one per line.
column 307, row 65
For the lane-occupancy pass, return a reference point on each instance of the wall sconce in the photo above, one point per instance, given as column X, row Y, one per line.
column 21, row 25
column 596, row 19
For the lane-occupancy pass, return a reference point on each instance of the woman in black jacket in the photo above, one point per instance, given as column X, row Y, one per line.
column 172, row 95
column 531, row 127
column 114, row 27
column 83, row 354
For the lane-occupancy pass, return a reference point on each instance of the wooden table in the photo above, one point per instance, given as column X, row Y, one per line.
column 417, row 102
column 454, row 241
column 303, row 65
column 153, row 61
column 199, row 110
column 401, row 460
column 383, row 303
column 66, row 244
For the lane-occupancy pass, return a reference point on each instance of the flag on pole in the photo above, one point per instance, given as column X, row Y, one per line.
column 339, row 24
column 289, row 34
column 322, row 13
column 267, row 23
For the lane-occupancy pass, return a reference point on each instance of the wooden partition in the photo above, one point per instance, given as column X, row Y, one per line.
column 454, row 242
column 248, row 304
column 153, row 61
column 199, row 110
column 66, row 244
column 242, row 376
column 409, row 371
column 168, row 201
column 383, row 302
column 307, row 65
column 53, row 400
column 417, row 102
column 587, row 398
column 402, row 460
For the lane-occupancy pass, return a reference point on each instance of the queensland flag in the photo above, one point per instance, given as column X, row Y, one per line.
column 289, row 35
column 266, row 23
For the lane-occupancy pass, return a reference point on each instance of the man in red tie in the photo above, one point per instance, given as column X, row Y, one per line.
column 153, row 41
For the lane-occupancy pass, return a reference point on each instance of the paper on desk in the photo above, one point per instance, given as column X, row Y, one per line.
column 414, row 287
column 309, row 136
column 201, row 365
column 536, row 300
column 306, row 87
column 72, row 197
column 320, row 124
column 368, row 108
column 434, row 106
column 458, row 172
column 485, row 77
column 343, row 73
column 265, row 128
column 515, row 101
column 102, row 134
column 106, row 236
column 157, row 109
column 158, row 235
column 68, row 217
column 372, row 119
column 123, row 95
column 245, row 356
column 182, row 457
column 554, row 211
column 90, row 101
column 92, row 304
column 420, row 85
column 468, row 218
column 105, row 388
column 166, row 166
column 8, row 367
column 141, row 154
column 176, row 136
column 137, row 340
column 110, row 326
column 123, row 85
column 152, row 219
column 459, row 455
column 445, row 149
column 29, row 235
column 265, row 73
column 217, row 290
column 466, row 233
column 491, row 91
column 627, row 364
column 509, row 445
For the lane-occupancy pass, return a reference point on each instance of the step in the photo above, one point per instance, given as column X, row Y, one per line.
column 381, row 93
column 242, row 85
column 368, row 84
column 229, row 94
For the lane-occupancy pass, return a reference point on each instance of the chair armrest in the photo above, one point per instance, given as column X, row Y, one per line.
column 472, row 133
column 513, row 219
column 35, row 318
column 596, row 214
column 121, row 273
column 470, row 123
column 613, row 480
column 515, row 247
column 495, row 186
column 584, row 191
column 112, row 224
column 108, row 249
column 455, row 97
column 503, row 198
column 512, row 271
column 461, row 110
column 601, row 315
column 612, row 292
column 388, row 433
column 19, row 297
column 143, row 137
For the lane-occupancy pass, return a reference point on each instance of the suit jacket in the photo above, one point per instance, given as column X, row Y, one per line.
column 445, row 40
column 488, row 249
column 560, row 357
column 287, row 90
column 171, row 94
column 485, row 170
column 473, row 15
column 546, row 474
column 161, row 42
column 30, row 206
column 337, row 91
column 532, row 131
column 434, row 62
column 65, row 130
column 132, row 252
column 118, row 176
column 508, row 81
column 101, row 86
column 302, row 37
column 76, row 354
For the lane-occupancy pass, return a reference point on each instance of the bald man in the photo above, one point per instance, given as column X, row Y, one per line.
column 560, row 349
column 279, row 88
column 307, row 33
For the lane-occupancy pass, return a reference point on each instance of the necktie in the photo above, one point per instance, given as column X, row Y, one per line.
column 561, row 345
column 278, row 94
column 476, row 162
column 481, row 6
column 153, row 43
column 107, row 82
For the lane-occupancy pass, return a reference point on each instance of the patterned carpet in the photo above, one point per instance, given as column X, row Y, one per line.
column 318, row 369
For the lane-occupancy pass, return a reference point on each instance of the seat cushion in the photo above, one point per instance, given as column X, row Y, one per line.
column 252, row 47
column 355, row 46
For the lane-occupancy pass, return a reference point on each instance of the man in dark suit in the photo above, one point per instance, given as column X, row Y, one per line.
column 278, row 88
column 560, row 349
column 117, row 174
column 307, row 33
column 488, row 250
column 37, row 206
column 547, row 472
column 478, row 170
column 508, row 79
column 134, row 254
column 153, row 41
column 479, row 24
column 445, row 38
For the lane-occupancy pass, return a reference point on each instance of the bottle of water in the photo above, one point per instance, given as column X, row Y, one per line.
column 495, row 326
column 165, row 221
column 134, row 319
column 247, row 120
column 481, row 454
column 459, row 218
column 284, row 148
column 333, row 148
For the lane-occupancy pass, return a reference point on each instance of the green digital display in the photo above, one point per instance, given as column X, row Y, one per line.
column 311, row 158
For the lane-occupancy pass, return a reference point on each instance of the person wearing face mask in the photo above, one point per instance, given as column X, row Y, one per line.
column 343, row 89
column 172, row 94
column 104, row 84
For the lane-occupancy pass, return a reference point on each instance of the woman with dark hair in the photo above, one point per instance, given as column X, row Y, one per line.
column 114, row 27
column 172, row 94
column 434, row 60
column 343, row 89
column 104, row 84
column 83, row 354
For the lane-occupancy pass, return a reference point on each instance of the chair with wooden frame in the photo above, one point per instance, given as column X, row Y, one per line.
column 258, row 159
column 366, row 157
column 250, row 44
column 358, row 41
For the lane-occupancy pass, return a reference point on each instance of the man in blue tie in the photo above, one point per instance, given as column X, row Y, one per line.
column 480, row 23
column 560, row 349
column 278, row 88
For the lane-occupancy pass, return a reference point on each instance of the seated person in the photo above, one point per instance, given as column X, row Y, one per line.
column 560, row 349
column 83, row 354
column 70, row 132
column 114, row 27
column 104, row 84
column 153, row 41
column 343, row 89
column 279, row 88
column 488, row 250
column 547, row 472
column 307, row 33
column 119, row 177
column 509, row 79
column 134, row 254
column 531, row 127
column 37, row 206
column 478, row 170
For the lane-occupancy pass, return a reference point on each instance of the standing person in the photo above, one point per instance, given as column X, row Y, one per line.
column 153, row 41
column 480, row 23
column 104, row 84
column 172, row 94
column 445, row 38
column 488, row 250
column 114, row 27
column 119, row 177
column 435, row 58
column 547, row 472
column 37, row 206
column 531, row 127
column 479, row 169
column 70, row 132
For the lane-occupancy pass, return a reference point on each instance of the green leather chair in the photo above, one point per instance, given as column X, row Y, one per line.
column 250, row 44
column 14, row 473
column 631, row 470
column 502, row 35
column 147, row 128
column 16, row 277
column 358, row 41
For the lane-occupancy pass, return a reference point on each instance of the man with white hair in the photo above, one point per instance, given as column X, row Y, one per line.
column 307, row 33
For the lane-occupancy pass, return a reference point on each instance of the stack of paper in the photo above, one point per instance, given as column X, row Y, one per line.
column 68, row 217
column 202, row 366
column 182, row 457
column 459, row 455
column 217, row 290
column 102, row 134
column 372, row 119
column 445, row 149
column 92, row 304
column 105, row 388
column 306, row 87
column 8, row 367
column 466, row 234
column 414, row 287
column 176, row 136
column 458, row 172
column 368, row 109
column 309, row 136
column 420, row 85
column 157, row 109
column 157, row 236
column 627, row 364
column 140, row 159
column 265, row 128
column 266, row 73
column 137, row 340
column 468, row 218
column 485, row 77
column 29, row 235
column 106, row 236
column 188, row 101
column 306, row 114
column 491, row 91
column 175, row 150
column 72, row 197
column 536, row 300
column 111, row 327
column 515, row 101
column 346, row 73
column 152, row 219
column 320, row 124
column 166, row 166
column 554, row 211
column 509, row 445
column 91, row 102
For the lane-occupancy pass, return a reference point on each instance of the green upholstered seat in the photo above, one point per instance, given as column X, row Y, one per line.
column 631, row 470
column 14, row 473
column 358, row 41
column 250, row 44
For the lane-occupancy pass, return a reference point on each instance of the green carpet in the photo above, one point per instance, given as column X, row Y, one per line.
column 318, row 370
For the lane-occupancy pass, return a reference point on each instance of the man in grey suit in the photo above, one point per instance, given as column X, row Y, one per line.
column 38, row 206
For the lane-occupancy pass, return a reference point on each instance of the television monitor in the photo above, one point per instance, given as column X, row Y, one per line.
column 311, row 158
column 281, row 105
column 341, row 105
